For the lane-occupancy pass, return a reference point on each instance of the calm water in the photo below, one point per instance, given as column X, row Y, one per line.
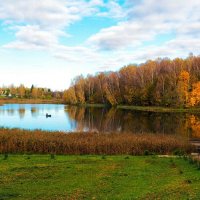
column 73, row 118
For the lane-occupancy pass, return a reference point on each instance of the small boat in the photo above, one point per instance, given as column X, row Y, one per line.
column 47, row 115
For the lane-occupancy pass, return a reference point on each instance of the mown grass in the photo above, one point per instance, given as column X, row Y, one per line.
column 23, row 141
column 97, row 177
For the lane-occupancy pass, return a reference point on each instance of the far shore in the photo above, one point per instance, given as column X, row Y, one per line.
column 161, row 109
column 30, row 101
column 145, row 108
column 125, row 107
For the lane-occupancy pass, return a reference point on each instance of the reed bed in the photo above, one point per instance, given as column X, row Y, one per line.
column 43, row 142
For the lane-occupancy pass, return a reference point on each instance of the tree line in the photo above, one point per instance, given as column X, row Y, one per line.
column 160, row 82
column 29, row 93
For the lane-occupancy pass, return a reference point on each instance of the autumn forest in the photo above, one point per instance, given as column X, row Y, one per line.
column 160, row 82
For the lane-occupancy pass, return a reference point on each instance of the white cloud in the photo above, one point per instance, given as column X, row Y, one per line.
column 149, row 18
column 39, row 24
column 125, row 34
column 114, row 10
column 33, row 37
column 46, row 13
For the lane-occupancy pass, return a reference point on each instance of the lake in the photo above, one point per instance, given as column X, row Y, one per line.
column 74, row 118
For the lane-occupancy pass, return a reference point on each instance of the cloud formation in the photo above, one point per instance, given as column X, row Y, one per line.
column 39, row 25
column 148, row 19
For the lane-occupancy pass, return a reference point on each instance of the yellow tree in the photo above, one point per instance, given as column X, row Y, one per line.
column 69, row 96
column 108, row 94
column 195, row 94
column 183, row 88
column 79, row 89
column 22, row 91
column 34, row 93
column 127, row 83
column 13, row 90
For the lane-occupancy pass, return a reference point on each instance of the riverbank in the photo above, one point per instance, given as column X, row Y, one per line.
column 146, row 108
column 23, row 141
column 29, row 101
column 160, row 109
column 127, row 107
column 97, row 177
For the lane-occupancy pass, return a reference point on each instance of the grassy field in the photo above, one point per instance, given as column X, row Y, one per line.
column 97, row 177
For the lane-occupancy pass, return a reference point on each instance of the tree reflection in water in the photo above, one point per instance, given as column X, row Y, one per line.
column 119, row 120
column 21, row 112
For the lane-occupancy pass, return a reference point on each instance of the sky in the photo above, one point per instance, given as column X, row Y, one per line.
column 49, row 42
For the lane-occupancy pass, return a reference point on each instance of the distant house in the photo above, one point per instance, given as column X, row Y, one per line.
column 4, row 93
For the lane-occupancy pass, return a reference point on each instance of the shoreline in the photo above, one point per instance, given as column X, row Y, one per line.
column 124, row 107
column 160, row 109
column 30, row 101
column 144, row 108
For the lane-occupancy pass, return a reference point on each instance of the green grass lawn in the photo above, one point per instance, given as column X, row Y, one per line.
column 97, row 177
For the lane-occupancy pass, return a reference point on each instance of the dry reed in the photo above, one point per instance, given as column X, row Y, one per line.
column 43, row 142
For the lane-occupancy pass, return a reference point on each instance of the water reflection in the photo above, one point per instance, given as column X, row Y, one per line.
column 10, row 111
column 194, row 124
column 119, row 120
column 74, row 118
column 34, row 111
column 21, row 112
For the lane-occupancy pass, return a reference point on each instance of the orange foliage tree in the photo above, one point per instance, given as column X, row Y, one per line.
column 195, row 94
column 183, row 88
column 162, row 82
column 195, row 126
column 22, row 91
column 69, row 96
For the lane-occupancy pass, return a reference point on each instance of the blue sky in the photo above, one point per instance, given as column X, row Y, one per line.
column 48, row 42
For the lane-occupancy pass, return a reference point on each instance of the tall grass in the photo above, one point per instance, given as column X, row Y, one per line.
column 22, row 141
